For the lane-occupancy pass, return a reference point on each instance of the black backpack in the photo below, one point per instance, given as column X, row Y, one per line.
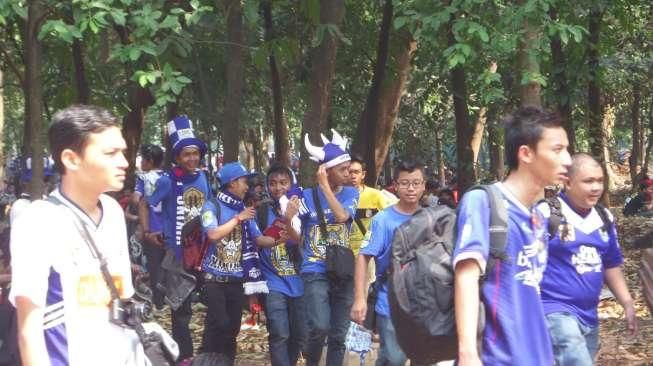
column 421, row 278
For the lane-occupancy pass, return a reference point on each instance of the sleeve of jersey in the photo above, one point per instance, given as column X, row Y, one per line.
column 375, row 238
column 612, row 257
column 30, row 255
column 162, row 188
column 209, row 219
column 254, row 230
column 473, row 229
column 140, row 185
column 351, row 202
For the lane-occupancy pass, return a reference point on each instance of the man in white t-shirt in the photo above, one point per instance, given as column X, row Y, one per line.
column 61, row 298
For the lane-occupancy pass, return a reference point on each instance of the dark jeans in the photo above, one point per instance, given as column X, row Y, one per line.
column 154, row 255
column 390, row 354
column 286, row 324
column 327, row 310
column 181, row 331
column 225, row 303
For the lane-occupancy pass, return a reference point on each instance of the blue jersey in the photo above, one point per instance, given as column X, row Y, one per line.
column 574, row 274
column 378, row 244
column 145, row 185
column 177, row 211
column 337, row 233
column 515, row 328
column 225, row 258
column 278, row 268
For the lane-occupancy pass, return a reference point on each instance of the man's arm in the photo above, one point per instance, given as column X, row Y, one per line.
column 30, row 332
column 220, row 231
column 466, row 299
column 359, row 308
column 340, row 214
column 615, row 280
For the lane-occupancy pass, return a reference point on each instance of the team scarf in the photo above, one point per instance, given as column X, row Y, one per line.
column 181, row 178
column 254, row 282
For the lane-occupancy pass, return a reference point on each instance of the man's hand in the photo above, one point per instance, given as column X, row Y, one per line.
column 247, row 214
column 469, row 359
column 358, row 312
column 292, row 208
column 283, row 237
column 322, row 177
column 155, row 238
column 631, row 320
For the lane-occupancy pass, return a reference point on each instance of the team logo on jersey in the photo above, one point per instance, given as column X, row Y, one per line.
column 193, row 202
column 281, row 261
column 336, row 234
column 207, row 218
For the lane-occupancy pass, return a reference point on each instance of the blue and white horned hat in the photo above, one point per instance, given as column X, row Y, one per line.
column 332, row 153
column 180, row 132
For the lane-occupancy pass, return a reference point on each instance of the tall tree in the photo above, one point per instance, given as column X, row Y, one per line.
column 561, row 85
column 528, row 63
column 81, row 81
column 637, row 135
column 323, row 61
column 34, row 94
column 281, row 140
column 595, row 109
column 464, row 155
column 365, row 142
column 235, row 73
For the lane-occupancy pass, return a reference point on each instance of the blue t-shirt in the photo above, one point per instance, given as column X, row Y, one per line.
column 278, row 268
column 515, row 329
column 225, row 258
column 574, row 273
column 337, row 234
column 145, row 185
column 190, row 204
column 378, row 244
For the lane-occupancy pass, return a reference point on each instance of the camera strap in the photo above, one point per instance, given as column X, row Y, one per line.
column 83, row 232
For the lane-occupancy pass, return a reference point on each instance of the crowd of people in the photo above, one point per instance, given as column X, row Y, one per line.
column 307, row 255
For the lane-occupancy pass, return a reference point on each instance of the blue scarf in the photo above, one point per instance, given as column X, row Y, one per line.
column 254, row 282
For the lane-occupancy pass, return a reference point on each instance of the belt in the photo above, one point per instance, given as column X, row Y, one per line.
column 221, row 278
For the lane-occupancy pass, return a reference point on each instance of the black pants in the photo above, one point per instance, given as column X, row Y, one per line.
column 8, row 335
column 222, row 325
column 154, row 254
column 181, row 331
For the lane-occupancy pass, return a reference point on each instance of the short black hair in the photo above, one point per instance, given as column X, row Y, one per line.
column 409, row 166
column 72, row 126
column 525, row 127
column 153, row 153
column 356, row 158
column 279, row 168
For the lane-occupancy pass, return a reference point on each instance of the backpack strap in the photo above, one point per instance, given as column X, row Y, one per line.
column 603, row 214
column 498, row 225
column 556, row 218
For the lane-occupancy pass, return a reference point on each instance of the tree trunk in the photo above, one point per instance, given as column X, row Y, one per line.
column 495, row 143
column 83, row 91
column 402, row 49
column 464, row 156
column 561, row 85
column 235, row 70
column 636, row 152
column 365, row 142
column 323, row 59
column 595, row 111
column 281, row 139
column 479, row 128
column 2, row 130
column 132, row 126
column 649, row 146
column 529, row 93
column 439, row 155
column 33, row 98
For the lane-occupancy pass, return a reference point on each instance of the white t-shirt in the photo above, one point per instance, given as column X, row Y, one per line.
column 53, row 267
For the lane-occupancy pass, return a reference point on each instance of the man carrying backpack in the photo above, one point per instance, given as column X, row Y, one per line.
column 409, row 180
column 582, row 256
column 328, row 264
column 181, row 192
column 284, row 304
column 230, row 267
column 515, row 331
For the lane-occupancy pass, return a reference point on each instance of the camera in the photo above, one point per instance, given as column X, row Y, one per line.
column 129, row 312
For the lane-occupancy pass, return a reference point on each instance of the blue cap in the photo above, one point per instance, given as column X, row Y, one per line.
column 180, row 132
column 232, row 171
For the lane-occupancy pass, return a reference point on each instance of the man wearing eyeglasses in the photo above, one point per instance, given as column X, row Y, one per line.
column 409, row 181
